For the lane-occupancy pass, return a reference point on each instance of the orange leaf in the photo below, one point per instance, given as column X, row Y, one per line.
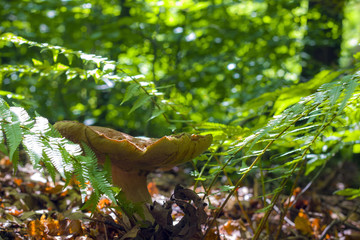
column 15, row 212
column 43, row 219
column 63, row 194
column 230, row 227
column 18, row 181
column 152, row 188
column 35, row 229
column 103, row 203
column 73, row 181
column 316, row 224
column 296, row 191
column 5, row 161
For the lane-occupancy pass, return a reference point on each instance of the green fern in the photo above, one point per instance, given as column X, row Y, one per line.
column 44, row 145
column 292, row 133
column 99, row 68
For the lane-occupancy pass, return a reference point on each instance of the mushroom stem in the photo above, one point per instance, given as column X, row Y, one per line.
column 132, row 183
column 134, row 186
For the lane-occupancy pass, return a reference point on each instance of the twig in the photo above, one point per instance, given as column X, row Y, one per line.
column 336, row 221
column 279, row 211
column 328, row 227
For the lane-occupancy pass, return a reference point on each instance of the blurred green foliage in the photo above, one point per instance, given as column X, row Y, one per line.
column 212, row 56
column 231, row 68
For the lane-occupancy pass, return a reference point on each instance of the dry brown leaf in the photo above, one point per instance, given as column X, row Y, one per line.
column 54, row 190
column 52, row 227
column 211, row 235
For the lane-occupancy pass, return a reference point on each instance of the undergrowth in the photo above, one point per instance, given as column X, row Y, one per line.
column 280, row 136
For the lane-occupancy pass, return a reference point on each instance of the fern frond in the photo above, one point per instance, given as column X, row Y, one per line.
column 13, row 135
column 98, row 178
column 4, row 111
column 100, row 69
column 69, row 54
column 52, row 151
column 92, row 202
column 34, row 147
column 2, row 139
column 44, row 144
column 81, row 175
column 49, row 166
column 41, row 126
column 300, row 124
column 223, row 131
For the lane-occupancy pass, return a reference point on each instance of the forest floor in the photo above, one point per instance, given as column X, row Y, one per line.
column 33, row 207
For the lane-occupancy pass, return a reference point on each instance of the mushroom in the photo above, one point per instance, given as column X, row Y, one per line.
column 132, row 158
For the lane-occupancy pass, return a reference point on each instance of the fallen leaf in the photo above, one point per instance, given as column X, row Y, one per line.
column 35, row 229
column 211, row 235
column 30, row 184
column 302, row 223
column 15, row 212
column 315, row 225
column 18, row 181
column 230, row 227
column 54, row 190
column 103, row 203
column 52, row 227
column 152, row 188
column 5, row 161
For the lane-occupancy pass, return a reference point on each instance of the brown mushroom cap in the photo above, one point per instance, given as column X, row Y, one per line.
column 136, row 153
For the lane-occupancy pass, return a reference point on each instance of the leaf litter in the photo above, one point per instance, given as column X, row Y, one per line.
column 33, row 207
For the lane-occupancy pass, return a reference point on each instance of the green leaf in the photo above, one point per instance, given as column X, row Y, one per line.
column 21, row 115
column 91, row 203
column 55, row 53
column 131, row 90
column 52, row 151
column 34, row 147
column 11, row 95
column 14, row 136
column 140, row 102
column 36, row 62
column 351, row 193
column 15, row 159
column 4, row 110
column 350, row 88
column 157, row 112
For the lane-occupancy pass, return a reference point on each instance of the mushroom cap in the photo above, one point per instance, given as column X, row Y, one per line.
column 136, row 153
